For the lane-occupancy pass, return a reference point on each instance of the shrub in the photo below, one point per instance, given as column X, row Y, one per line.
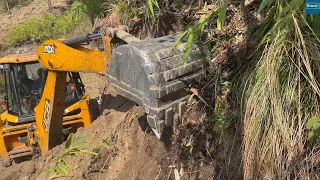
column 46, row 27
column 125, row 10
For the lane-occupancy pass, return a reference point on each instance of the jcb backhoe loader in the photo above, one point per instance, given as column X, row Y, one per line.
column 45, row 98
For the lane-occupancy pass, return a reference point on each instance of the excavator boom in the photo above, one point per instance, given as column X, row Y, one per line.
column 57, row 56
column 146, row 72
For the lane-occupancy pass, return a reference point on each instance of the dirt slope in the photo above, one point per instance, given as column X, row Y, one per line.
column 132, row 153
column 125, row 145
column 20, row 15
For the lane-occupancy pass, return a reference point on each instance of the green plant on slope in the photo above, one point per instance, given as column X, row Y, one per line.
column 313, row 125
column 93, row 9
column 32, row 30
column 46, row 27
column 194, row 32
column 72, row 148
column 281, row 94
column 150, row 7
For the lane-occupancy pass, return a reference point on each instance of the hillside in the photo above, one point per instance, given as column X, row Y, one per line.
column 133, row 151
column 255, row 115
column 20, row 15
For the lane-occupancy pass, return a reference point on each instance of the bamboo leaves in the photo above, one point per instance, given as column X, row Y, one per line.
column 150, row 6
column 194, row 32
column 222, row 16
column 264, row 4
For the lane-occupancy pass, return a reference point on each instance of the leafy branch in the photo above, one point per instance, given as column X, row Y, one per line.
column 150, row 7
column 196, row 30
column 313, row 125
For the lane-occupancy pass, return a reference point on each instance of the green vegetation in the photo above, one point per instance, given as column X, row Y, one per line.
column 124, row 10
column 278, row 92
column 280, row 96
column 150, row 5
column 313, row 125
column 93, row 8
column 194, row 32
column 73, row 147
column 51, row 26
column 47, row 27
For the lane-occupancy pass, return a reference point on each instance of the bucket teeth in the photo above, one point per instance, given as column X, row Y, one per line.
column 156, row 125
column 169, row 117
column 172, row 118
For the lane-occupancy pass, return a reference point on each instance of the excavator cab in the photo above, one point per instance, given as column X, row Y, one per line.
column 24, row 85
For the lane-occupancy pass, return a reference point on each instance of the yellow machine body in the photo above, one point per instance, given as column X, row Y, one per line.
column 44, row 132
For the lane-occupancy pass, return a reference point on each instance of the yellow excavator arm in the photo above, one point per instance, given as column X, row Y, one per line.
column 68, row 55
column 57, row 56
column 60, row 57
column 146, row 72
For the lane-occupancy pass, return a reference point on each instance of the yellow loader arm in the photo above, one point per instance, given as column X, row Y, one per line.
column 57, row 56
column 60, row 58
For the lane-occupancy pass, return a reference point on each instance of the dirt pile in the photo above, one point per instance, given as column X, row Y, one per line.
column 125, row 146
column 129, row 150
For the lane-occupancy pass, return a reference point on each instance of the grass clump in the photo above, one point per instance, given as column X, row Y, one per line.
column 46, row 27
column 122, row 11
column 281, row 95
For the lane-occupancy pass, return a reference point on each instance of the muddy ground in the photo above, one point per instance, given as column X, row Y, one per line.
column 125, row 146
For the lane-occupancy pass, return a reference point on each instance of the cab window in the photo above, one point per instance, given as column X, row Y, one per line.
column 25, row 84
column 28, row 82
column 11, row 99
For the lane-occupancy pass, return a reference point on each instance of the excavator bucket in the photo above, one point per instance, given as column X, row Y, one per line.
column 151, row 75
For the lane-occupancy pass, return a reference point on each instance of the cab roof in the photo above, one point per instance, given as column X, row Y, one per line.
column 19, row 58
